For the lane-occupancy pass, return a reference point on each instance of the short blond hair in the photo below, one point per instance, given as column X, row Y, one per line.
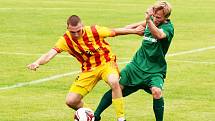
column 163, row 5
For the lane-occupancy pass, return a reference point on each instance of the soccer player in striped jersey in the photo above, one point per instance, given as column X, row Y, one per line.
column 87, row 44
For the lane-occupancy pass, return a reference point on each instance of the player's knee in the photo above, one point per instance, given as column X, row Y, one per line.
column 156, row 92
column 115, row 85
column 73, row 102
column 113, row 81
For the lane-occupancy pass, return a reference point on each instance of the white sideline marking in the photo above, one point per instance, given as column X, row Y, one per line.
column 191, row 51
column 38, row 81
column 30, row 54
column 75, row 72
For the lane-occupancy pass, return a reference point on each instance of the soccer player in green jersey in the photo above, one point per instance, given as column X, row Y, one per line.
column 147, row 70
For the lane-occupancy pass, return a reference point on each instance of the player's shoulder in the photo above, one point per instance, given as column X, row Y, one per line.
column 99, row 26
column 92, row 27
column 167, row 26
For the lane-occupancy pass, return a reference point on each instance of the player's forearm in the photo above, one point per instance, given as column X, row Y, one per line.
column 124, row 31
column 46, row 57
column 156, row 32
column 134, row 25
column 42, row 60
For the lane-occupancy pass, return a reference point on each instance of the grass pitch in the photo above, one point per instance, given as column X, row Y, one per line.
column 30, row 28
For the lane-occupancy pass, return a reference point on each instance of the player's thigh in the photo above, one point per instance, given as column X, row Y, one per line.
column 110, row 74
column 157, row 81
column 84, row 83
column 125, row 77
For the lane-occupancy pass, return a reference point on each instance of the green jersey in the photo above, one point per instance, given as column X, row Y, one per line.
column 150, row 57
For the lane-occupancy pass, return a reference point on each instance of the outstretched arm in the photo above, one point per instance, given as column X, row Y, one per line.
column 42, row 60
column 135, row 25
column 124, row 31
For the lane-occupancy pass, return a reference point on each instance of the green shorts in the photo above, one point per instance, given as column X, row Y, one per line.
column 131, row 76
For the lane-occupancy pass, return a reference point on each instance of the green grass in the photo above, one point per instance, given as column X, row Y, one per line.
column 33, row 26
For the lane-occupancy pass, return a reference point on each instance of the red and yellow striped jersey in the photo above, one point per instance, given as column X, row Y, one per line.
column 91, row 50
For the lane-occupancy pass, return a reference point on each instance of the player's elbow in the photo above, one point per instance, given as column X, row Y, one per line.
column 159, row 36
column 113, row 33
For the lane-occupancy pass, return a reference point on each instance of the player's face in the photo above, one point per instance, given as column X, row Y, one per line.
column 76, row 31
column 159, row 17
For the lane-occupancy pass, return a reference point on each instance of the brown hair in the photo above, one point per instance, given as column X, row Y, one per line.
column 73, row 20
column 163, row 5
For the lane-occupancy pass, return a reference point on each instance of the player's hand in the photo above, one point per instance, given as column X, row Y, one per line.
column 33, row 66
column 140, row 30
column 149, row 13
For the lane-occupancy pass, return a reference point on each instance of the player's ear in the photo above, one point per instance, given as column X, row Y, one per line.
column 67, row 26
column 82, row 25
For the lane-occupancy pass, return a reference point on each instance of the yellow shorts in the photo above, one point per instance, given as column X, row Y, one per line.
column 85, row 82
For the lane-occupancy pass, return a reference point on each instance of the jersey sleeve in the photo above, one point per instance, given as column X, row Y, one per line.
column 61, row 45
column 104, row 31
column 169, row 31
